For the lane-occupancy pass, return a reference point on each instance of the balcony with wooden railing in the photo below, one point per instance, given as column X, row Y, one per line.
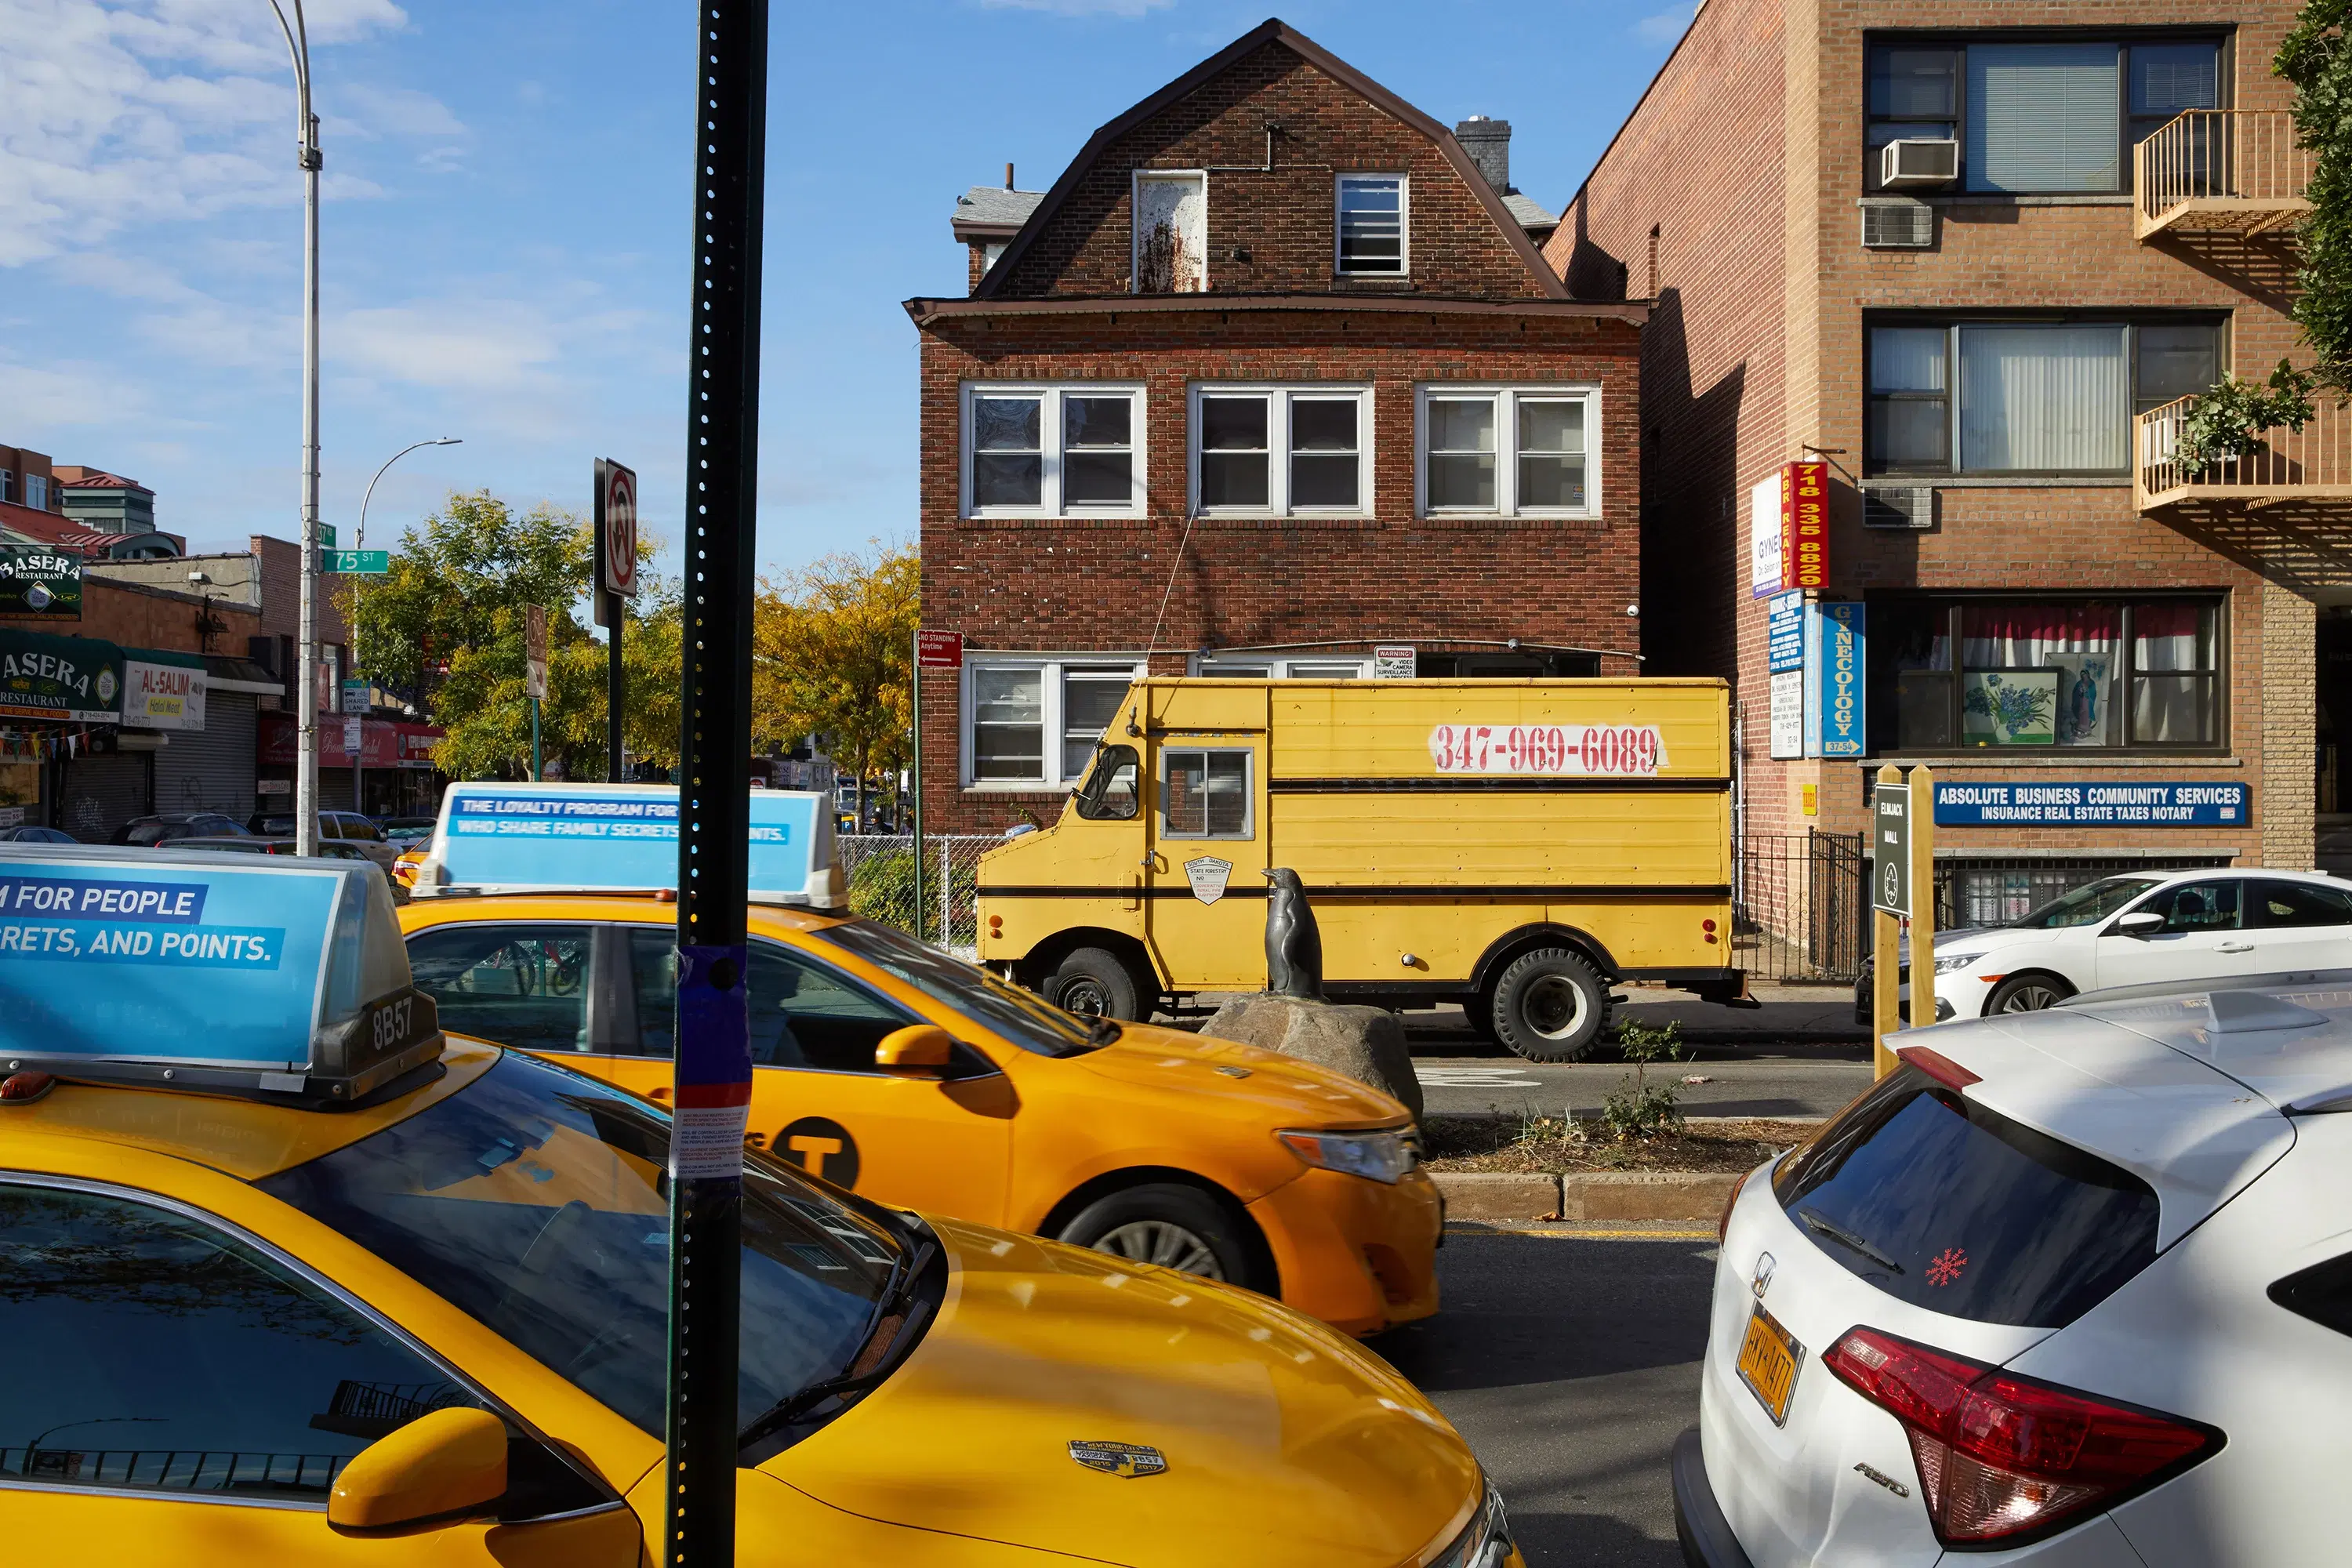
column 2219, row 171
column 2313, row 465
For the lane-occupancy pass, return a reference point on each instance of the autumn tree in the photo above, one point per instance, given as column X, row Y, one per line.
column 2315, row 59
column 445, row 627
column 832, row 656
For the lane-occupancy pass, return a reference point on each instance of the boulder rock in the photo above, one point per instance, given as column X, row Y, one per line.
column 1365, row 1043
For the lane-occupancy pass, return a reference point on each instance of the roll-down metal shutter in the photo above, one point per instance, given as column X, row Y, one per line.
column 210, row 769
column 100, row 794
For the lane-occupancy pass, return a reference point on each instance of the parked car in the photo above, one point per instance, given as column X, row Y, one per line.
column 145, row 831
column 28, row 833
column 411, row 858
column 2134, row 930
column 330, row 848
column 2073, row 1288
column 406, row 830
column 347, row 825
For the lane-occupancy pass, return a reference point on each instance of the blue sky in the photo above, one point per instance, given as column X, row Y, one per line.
column 505, row 232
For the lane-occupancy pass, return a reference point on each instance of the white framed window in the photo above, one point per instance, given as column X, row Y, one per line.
column 1169, row 251
column 1278, row 451
column 8, row 484
column 37, row 491
column 1032, row 721
column 1371, row 234
column 1275, row 666
column 1033, row 450
column 1508, row 451
column 1204, row 792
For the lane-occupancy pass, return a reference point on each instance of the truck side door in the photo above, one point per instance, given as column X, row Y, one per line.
column 1204, row 892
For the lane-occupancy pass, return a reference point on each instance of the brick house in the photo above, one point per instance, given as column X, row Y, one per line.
column 1983, row 336
column 1273, row 376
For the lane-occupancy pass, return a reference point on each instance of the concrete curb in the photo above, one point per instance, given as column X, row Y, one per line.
column 1584, row 1194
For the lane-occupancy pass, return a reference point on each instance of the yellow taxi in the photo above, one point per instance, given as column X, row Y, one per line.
column 398, row 1299
column 405, row 865
column 895, row 1070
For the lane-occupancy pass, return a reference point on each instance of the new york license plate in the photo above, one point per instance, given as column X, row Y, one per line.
column 1769, row 1358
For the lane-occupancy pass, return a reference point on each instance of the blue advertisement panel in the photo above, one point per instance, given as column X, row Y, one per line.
column 1837, row 670
column 524, row 836
column 2133, row 804
column 1784, row 632
column 181, row 960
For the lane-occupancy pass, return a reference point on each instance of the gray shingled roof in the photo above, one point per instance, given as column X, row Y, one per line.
column 995, row 205
column 1529, row 211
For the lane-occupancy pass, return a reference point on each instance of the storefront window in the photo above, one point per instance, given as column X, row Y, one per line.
column 1970, row 674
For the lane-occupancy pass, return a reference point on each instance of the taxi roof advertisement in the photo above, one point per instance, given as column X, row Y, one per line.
column 521, row 837
column 128, row 957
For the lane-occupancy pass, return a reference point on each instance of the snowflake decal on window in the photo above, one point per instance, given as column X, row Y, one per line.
column 1947, row 1265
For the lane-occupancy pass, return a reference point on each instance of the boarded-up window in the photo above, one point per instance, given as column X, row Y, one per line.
column 1171, row 234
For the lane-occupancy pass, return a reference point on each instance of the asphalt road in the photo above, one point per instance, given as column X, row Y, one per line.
column 1743, row 1080
column 1570, row 1364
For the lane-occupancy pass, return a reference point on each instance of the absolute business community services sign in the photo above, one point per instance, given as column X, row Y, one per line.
column 2135, row 803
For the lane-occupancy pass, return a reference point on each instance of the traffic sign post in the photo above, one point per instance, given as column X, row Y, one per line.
column 616, row 583
column 534, row 675
column 933, row 650
column 712, row 1083
column 1901, row 886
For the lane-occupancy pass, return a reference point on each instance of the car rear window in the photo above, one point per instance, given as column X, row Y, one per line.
column 1943, row 1202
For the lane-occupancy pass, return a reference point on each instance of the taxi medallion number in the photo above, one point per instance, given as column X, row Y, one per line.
column 1769, row 1358
column 393, row 1021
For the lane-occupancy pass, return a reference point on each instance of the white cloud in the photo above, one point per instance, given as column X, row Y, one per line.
column 489, row 347
column 37, row 398
column 1081, row 7
column 1667, row 26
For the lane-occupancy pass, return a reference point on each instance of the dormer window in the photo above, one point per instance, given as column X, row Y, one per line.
column 1371, row 237
column 1170, row 245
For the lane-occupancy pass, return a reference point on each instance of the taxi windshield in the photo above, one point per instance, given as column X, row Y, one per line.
column 1029, row 1022
column 538, row 1201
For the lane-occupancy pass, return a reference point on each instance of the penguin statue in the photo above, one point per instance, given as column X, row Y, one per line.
column 1294, row 948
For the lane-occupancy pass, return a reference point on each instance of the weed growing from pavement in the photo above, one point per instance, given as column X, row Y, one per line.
column 1638, row 1109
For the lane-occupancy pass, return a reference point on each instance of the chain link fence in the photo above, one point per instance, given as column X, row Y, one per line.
column 880, row 870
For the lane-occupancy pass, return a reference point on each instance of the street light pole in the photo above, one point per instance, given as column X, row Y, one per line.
column 359, row 752
column 306, row 710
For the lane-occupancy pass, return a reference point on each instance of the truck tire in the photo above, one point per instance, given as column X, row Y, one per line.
column 1549, row 1006
column 1093, row 983
column 1175, row 1227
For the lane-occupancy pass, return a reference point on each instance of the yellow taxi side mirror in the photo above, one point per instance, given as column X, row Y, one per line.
column 444, row 1463
column 915, row 1047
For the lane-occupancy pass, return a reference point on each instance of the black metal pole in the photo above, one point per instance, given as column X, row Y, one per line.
column 714, row 1054
column 615, row 612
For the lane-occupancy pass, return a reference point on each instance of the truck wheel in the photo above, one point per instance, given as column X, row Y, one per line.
column 1549, row 1006
column 1182, row 1228
column 1093, row 983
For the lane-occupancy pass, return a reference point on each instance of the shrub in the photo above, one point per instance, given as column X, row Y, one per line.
column 1638, row 1108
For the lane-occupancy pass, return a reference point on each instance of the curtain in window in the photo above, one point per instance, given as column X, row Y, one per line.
column 2168, row 708
column 2043, row 117
column 2075, row 647
column 2043, row 399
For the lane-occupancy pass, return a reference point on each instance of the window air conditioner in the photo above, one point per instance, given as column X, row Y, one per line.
column 1897, row 223
column 1910, row 507
column 1921, row 163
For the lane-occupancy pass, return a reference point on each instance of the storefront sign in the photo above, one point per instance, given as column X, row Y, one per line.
column 383, row 745
column 1784, row 632
column 35, row 580
column 1788, row 734
column 1836, row 725
column 1764, row 564
column 2124, row 803
column 162, row 690
column 1804, row 525
column 73, row 681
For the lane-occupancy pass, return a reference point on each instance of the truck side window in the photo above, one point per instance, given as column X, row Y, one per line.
column 1205, row 794
column 1109, row 795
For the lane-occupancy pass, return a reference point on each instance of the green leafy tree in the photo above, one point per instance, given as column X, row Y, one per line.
column 832, row 656
column 2315, row 59
column 446, row 627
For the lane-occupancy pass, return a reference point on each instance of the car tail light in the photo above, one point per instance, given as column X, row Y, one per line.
column 1730, row 1202
column 1939, row 1066
column 2003, row 1457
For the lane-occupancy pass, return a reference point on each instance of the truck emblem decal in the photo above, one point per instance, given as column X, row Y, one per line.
column 1209, row 876
column 1126, row 1459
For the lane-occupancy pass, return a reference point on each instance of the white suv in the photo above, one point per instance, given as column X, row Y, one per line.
column 2138, row 929
column 2071, row 1287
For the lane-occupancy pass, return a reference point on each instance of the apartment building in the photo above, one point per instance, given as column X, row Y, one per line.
column 1273, row 382
column 1930, row 283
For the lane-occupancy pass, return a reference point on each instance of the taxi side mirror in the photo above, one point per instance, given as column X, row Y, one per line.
column 2140, row 922
column 450, row 1462
column 918, row 1048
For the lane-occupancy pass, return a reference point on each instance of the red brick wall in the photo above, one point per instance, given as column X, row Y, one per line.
column 1284, row 219
column 1062, row 584
column 138, row 616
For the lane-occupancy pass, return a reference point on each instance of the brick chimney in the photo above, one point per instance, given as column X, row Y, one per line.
column 1488, row 142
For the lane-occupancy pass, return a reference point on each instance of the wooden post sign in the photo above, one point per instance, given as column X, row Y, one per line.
column 1902, row 888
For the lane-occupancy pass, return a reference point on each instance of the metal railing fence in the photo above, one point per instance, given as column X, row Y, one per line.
column 2314, row 461
column 1798, row 910
column 2232, row 168
column 880, row 870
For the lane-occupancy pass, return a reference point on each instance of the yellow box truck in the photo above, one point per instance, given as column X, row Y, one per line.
column 1514, row 846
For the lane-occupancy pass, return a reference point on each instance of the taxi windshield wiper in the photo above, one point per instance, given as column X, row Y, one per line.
column 1846, row 1238
column 904, row 1274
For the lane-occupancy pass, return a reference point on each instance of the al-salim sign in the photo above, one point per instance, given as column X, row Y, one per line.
column 37, row 580
column 68, row 680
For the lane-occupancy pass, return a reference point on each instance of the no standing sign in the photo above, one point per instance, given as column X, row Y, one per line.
column 616, row 528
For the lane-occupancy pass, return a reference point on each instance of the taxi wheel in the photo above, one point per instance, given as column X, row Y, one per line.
column 1551, row 1006
column 1182, row 1228
column 1093, row 983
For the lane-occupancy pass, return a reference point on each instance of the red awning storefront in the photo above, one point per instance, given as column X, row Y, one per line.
column 384, row 743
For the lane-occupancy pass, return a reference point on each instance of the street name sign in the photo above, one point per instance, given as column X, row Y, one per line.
column 359, row 562
column 1890, row 850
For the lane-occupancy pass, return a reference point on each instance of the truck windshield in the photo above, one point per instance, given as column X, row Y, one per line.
column 1027, row 1021
column 538, row 1200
